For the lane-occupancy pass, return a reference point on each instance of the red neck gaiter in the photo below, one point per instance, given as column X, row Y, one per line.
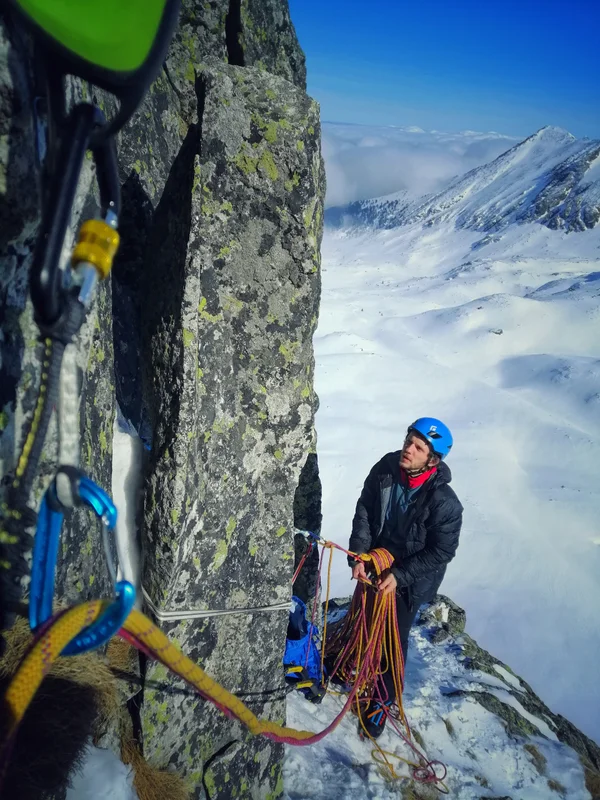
column 413, row 482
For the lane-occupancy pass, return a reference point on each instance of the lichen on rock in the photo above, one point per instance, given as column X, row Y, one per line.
column 229, row 322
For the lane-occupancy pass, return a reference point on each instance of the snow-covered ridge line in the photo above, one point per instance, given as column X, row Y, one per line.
column 551, row 178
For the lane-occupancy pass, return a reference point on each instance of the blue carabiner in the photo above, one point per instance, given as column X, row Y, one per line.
column 43, row 568
column 310, row 536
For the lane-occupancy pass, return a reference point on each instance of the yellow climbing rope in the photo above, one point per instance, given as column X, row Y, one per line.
column 365, row 647
column 37, row 662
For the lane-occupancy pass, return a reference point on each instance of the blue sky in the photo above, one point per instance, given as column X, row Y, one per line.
column 510, row 66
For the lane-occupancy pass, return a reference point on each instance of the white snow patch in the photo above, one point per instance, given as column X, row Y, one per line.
column 509, row 678
column 543, row 727
column 405, row 330
column 126, row 486
column 102, row 777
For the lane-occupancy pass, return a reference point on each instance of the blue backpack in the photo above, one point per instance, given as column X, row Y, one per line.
column 302, row 657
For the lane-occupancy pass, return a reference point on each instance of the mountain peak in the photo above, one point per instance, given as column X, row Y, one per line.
column 552, row 133
column 551, row 177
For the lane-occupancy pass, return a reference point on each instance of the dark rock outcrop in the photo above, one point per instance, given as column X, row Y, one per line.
column 564, row 203
column 268, row 39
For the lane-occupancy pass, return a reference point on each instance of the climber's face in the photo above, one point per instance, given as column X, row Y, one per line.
column 416, row 453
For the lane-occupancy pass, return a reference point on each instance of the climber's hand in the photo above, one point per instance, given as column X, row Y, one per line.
column 358, row 571
column 387, row 583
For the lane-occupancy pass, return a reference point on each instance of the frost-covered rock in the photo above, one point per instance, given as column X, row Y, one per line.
column 465, row 709
column 531, row 716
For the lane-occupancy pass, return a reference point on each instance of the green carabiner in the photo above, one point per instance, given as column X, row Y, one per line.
column 118, row 46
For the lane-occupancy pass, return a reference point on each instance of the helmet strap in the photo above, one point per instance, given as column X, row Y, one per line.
column 414, row 473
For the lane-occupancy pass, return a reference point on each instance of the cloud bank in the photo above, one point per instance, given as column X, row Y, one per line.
column 363, row 161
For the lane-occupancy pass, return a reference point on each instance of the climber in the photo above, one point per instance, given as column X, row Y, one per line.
column 407, row 507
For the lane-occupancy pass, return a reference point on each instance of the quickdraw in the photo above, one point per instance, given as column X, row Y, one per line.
column 60, row 311
column 119, row 48
column 45, row 551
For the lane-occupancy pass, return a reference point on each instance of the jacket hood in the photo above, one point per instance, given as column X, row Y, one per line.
column 443, row 474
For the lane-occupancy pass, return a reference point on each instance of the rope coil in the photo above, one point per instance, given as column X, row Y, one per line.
column 365, row 647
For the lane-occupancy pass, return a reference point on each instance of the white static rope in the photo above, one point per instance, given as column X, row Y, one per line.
column 68, row 410
column 68, row 424
column 174, row 616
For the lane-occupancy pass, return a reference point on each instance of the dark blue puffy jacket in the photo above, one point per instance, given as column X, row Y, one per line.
column 430, row 531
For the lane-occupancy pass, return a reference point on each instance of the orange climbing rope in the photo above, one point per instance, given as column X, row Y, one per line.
column 365, row 647
column 368, row 645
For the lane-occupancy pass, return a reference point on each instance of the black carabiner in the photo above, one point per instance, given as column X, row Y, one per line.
column 76, row 133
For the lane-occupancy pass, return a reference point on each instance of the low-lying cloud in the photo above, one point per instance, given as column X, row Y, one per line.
column 363, row 161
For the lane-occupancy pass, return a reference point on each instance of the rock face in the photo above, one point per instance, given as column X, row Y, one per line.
column 232, row 277
column 213, row 303
column 307, row 517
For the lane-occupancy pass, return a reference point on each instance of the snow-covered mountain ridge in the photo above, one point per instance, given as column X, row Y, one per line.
column 551, row 178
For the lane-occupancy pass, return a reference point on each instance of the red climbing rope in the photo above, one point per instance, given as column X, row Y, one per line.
column 301, row 564
column 368, row 641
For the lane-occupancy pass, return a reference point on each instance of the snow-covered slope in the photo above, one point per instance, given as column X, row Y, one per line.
column 499, row 336
column 551, row 178
column 496, row 738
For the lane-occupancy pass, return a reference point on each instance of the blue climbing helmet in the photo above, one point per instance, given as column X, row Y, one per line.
column 436, row 433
